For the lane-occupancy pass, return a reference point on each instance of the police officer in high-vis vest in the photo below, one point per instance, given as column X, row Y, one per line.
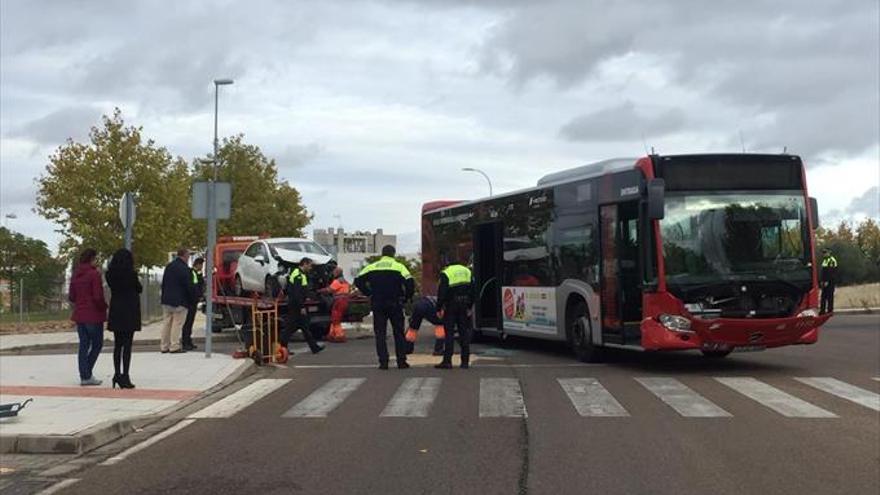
column 297, row 315
column 828, row 278
column 455, row 296
column 389, row 285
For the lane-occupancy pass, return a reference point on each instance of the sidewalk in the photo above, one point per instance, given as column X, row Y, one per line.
column 67, row 418
column 150, row 332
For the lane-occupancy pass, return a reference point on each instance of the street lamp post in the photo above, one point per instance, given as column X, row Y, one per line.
column 469, row 169
column 212, row 225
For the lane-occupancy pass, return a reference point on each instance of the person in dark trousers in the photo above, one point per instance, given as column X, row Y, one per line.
column 125, row 313
column 86, row 293
column 198, row 280
column 455, row 296
column 425, row 308
column 388, row 284
column 828, row 277
column 297, row 314
column 177, row 296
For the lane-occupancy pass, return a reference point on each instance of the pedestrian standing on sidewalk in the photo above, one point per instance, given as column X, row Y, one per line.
column 199, row 293
column 177, row 295
column 86, row 293
column 125, row 313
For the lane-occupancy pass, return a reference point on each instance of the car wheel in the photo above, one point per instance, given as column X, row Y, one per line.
column 271, row 287
column 716, row 354
column 579, row 334
column 239, row 288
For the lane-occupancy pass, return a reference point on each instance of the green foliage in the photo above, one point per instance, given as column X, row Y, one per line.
column 29, row 259
column 261, row 204
column 857, row 251
column 83, row 184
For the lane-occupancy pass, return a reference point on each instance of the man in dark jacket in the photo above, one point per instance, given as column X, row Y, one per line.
column 177, row 296
column 198, row 294
column 389, row 284
column 297, row 314
column 455, row 296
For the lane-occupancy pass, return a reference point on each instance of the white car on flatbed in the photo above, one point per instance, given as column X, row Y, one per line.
column 263, row 265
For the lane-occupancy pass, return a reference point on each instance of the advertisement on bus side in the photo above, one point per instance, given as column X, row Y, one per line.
column 529, row 308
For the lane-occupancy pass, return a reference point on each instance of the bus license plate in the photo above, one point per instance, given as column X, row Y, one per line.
column 750, row 348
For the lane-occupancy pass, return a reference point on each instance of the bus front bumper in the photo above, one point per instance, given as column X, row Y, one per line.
column 724, row 334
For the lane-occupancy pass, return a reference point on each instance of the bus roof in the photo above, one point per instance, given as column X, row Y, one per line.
column 589, row 170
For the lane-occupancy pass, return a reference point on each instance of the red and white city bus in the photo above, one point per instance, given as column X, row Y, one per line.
column 712, row 252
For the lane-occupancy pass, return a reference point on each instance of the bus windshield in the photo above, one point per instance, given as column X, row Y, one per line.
column 710, row 237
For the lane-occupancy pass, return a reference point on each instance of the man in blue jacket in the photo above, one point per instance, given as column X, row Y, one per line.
column 178, row 292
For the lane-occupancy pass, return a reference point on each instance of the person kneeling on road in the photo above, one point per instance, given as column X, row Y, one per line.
column 297, row 315
column 455, row 298
column 425, row 308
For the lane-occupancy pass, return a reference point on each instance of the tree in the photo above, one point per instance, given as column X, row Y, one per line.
column 868, row 239
column 83, row 184
column 27, row 259
column 261, row 203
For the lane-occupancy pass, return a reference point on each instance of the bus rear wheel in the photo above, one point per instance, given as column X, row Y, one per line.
column 580, row 337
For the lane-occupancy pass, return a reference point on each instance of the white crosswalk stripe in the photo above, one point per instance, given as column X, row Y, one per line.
column 501, row 398
column 235, row 402
column 590, row 398
column 323, row 401
column 681, row 398
column 413, row 399
column 781, row 402
column 845, row 391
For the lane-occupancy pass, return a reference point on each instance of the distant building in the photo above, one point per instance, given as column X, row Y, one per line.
column 351, row 249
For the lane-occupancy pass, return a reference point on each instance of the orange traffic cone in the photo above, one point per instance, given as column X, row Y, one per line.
column 439, row 332
column 410, row 335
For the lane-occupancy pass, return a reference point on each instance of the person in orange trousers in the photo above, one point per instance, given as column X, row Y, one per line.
column 340, row 290
column 425, row 308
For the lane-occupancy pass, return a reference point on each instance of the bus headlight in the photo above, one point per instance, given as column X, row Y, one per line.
column 808, row 313
column 675, row 323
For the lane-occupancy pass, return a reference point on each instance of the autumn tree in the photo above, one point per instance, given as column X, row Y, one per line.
column 83, row 183
column 261, row 202
column 23, row 259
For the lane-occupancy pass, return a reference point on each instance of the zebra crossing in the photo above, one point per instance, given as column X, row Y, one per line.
column 588, row 396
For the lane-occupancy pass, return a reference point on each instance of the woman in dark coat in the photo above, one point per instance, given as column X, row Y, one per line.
column 125, row 312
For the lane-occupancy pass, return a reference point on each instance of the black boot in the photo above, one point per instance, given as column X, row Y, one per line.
column 444, row 366
column 117, row 380
column 125, row 382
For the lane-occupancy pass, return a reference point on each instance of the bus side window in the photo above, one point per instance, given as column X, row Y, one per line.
column 577, row 255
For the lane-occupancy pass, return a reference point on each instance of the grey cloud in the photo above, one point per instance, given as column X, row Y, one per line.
column 622, row 123
column 298, row 155
column 867, row 204
column 58, row 126
column 812, row 66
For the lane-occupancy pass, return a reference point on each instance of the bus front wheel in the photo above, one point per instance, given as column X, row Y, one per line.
column 579, row 335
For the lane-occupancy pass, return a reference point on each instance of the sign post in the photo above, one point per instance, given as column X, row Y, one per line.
column 211, row 200
column 126, row 216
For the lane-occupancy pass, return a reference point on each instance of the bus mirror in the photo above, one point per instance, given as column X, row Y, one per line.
column 814, row 212
column 656, row 199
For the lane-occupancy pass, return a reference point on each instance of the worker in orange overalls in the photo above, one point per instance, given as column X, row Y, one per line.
column 340, row 290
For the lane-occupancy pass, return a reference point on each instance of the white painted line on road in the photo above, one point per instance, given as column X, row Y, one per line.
column 590, row 398
column 876, row 378
column 845, row 391
column 323, row 401
column 235, row 402
column 61, row 485
column 501, row 398
column 781, row 402
column 413, row 399
column 681, row 398
column 148, row 442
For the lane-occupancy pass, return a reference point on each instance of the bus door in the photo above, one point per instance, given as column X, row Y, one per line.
column 488, row 258
column 620, row 273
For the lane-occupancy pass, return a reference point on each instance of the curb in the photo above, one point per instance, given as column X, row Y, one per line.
column 110, row 431
column 859, row 311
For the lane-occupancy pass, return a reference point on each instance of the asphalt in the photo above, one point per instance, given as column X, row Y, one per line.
column 551, row 451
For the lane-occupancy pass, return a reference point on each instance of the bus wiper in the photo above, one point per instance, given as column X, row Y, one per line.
column 772, row 277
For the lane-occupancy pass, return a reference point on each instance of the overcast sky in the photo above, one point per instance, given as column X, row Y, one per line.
column 372, row 108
